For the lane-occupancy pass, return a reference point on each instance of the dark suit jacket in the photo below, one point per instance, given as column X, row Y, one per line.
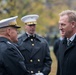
column 37, row 57
column 66, row 58
column 11, row 60
column 56, row 46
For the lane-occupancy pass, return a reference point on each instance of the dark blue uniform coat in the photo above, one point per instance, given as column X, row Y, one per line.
column 67, row 58
column 11, row 60
column 36, row 54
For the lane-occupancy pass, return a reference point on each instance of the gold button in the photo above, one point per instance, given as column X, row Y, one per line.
column 38, row 60
column 31, row 39
column 38, row 71
column 31, row 60
column 32, row 72
column 32, row 44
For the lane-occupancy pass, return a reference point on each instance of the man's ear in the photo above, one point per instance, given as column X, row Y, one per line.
column 8, row 30
column 73, row 24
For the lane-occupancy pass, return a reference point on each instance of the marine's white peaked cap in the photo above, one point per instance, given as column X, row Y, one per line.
column 30, row 19
column 9, row 22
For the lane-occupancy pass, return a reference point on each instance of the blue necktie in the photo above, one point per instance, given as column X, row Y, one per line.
column 68, row 42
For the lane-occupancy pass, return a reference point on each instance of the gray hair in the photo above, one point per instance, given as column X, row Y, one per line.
column 3, row 30
column 70, row 13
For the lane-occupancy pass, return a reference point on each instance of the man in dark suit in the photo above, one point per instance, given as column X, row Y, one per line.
column 67, row 52
column 34, row 48
column 11, row 60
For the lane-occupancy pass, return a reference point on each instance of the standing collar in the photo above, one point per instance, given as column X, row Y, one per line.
column 25, row 37
column 30, row 34
column 4, row 39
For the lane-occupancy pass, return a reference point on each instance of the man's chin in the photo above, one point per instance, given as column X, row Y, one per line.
column 32, row 33
column 15, row 41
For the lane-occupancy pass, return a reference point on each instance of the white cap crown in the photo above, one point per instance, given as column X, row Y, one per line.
column 9, row 22
column 30, row 19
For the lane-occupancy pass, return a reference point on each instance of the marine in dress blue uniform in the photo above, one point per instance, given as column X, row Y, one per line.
column 34, row 48
column 11, row 60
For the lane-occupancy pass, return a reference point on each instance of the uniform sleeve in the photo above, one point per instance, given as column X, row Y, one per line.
column 13, row 62
column 47, row 61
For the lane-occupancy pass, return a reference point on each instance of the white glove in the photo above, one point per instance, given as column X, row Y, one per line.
column 39, row 74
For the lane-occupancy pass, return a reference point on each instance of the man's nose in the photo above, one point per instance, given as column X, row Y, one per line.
column 60, row 27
